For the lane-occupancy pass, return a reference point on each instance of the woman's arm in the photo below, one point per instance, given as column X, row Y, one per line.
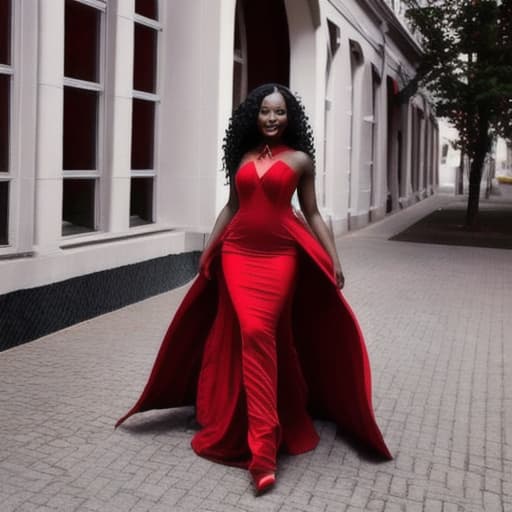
column 308, row 205
column 223, row 219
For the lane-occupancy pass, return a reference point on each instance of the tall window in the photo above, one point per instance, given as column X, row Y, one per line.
column 374, row 118
column 239, row 57
column 144, row 111
column 416, row 148
column 356, row 68
column 444, row 153
column 6, row 72
column 83, row 114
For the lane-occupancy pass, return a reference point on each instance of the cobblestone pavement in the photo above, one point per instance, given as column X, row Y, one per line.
column 438, row 323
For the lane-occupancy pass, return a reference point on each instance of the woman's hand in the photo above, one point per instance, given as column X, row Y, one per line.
column 201, row 262
column 202, row 265
column 338, row 275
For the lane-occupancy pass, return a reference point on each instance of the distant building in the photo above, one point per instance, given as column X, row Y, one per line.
column 454, row 168
column 503, row 156
column 112, row 115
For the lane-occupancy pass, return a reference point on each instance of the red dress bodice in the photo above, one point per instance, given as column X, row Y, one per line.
column 260, row 224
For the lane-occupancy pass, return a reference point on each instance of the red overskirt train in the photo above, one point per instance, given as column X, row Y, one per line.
column 319, row 367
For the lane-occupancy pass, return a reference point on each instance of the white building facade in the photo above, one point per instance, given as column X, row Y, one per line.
column 112, row 115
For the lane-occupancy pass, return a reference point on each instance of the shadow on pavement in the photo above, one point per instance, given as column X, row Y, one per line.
column 162, row 421
column 446, row 226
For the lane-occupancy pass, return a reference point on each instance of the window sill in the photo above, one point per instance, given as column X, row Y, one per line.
column 16, row 255
column 101, row 238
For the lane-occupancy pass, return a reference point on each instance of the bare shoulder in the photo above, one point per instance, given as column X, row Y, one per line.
column 247, row 157
column 301, row 162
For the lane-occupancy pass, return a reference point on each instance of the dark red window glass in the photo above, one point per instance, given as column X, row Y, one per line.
column 143, row 134
column 78, row 206
column 80, row 129
column 82, row 41
column 144, row 58
column 5, row 32
column 238, row 39
column 141, row 201
column 5, row 89
column 237, row 83
column 4, row 212
column 147, row 8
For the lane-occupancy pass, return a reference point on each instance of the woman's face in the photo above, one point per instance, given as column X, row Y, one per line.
column 272, row 116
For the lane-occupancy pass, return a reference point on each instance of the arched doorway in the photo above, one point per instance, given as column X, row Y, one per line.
column 373, row 119
column 333, row 44
column 356, row 76
column 261, row 48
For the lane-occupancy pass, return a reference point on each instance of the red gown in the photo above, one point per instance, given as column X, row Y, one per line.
column 264, row 338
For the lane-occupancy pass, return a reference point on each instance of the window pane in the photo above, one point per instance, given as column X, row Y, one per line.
column 238, row 41
column 82, row 41
column 141, row 201
column 143, row 134
column 80, row 129
column 4, row 210
column 78, row 206
column 5, row 87
column 237, row 83
column 148, row 8
column 5, row 31
column 144, row 58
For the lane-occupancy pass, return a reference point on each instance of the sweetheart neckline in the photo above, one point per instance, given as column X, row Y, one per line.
column 279, row 160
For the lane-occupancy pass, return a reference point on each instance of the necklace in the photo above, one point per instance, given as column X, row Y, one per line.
column 268, row 152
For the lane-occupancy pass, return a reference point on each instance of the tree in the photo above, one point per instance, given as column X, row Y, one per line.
column 467, row 67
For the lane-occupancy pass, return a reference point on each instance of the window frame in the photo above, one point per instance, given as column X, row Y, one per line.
column 21, row 174
column 157, row 100
column 240, row 54
column 11, row 176
column 99, row 87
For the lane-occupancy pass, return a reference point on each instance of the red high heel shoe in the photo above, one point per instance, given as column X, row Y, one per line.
column 264, row 482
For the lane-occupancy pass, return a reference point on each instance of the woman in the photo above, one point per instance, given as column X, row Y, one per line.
column 264, row 336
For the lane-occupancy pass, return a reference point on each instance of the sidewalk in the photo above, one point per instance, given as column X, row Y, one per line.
column 438, row 325
column 447, row 225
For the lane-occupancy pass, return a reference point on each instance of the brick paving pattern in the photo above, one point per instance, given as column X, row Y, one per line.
column 438, row 324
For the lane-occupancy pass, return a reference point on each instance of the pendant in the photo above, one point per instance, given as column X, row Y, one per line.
column 266, row 153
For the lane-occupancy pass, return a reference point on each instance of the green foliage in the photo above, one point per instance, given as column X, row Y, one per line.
column 467, row 65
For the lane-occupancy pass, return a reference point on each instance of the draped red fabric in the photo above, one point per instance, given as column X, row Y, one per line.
column 264, row 339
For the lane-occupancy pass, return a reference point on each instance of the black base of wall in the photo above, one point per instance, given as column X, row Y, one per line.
column 29, row 314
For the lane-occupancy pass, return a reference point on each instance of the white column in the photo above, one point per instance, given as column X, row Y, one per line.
column 218, row 28
column 361, row 146
column 307, row 76
column 24, row 103
column 337, row 184
column 196, row 105
column 48, row 205
column 119, row 82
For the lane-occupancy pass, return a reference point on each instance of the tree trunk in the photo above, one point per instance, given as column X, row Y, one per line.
column 475, row 177
column 459, row 176
column 481, row 147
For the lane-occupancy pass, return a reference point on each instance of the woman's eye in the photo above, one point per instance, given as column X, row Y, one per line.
column 266, row 112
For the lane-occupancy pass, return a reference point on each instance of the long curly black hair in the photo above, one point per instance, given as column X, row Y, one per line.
column 242, row 133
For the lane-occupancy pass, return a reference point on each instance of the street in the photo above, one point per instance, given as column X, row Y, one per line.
column 438, row 325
